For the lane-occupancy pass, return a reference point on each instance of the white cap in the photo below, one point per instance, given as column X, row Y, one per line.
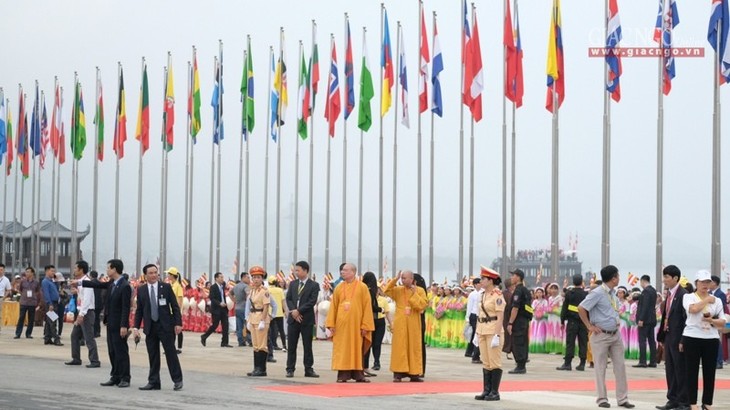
column 703, row 275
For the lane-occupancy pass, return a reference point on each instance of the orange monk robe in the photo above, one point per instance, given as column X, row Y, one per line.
column 350, row 312
column 406, row 353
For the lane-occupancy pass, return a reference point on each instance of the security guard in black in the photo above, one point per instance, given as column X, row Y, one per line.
column 575, row 327
column 519, row 323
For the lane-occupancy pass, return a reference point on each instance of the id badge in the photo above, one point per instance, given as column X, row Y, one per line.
column 408, row 310
column 163, row 302
column 29, row 293
column 346, row 305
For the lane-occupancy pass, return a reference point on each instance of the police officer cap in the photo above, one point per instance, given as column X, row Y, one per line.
column 519, row 273
column 257, row 271
column 489, row 273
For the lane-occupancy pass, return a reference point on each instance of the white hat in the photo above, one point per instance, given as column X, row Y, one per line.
column 703, row 275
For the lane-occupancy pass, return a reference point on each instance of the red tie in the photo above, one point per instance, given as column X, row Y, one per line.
column 667, row 309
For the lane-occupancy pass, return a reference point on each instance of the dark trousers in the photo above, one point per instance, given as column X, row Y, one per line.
column 118, row 355
column 222, row 318
column 180, row 340
column 50, row 329
column 377, row 345
column 296, row 329
column 153, row 337
column 84, row 332
column 704, row 351
column 276, row 328
column 240, row 325
column 520, row 340
column 97, row 321
column 60, row 311
column 675, row 370
column 576, row 329
column 26, row 312
column 469, row 345
column 646, row 333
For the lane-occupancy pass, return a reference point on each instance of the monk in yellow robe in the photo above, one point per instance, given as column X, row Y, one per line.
column 350, row 321
column 406, row 359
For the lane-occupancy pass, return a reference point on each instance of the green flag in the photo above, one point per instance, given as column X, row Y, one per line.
column 78, row 137
column 247, row 94
column 365, row 116
column 303, row 109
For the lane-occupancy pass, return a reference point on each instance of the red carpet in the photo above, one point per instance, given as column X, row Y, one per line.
column 353, row 389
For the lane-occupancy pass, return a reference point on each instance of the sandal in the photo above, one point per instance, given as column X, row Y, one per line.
column 397, row 379
column 416, row 379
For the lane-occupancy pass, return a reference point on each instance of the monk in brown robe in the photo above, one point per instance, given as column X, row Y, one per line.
column 350, row 321
column 406, row 359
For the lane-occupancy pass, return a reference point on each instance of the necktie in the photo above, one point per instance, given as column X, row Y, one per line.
column 301, row 287
column 153, row 303
column 223, row 294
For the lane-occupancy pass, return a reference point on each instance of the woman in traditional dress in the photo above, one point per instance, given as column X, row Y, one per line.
column 538, row 325
column 624, row 318
column 434, row 333
column 458, row 318
column 634, row 327
column 554, row 338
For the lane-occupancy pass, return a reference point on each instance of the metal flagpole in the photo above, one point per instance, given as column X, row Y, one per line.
column 248, row 135
column 163, row 260
column 460, row 271
column 138, row 267
column 716, row 250
column 33, row 186
column 419, row 154
column 660, row 154
column 514, row 169
column 52, row 252
column 116, row 176
column 75, row 209
column 380, row 158
column 555, row 251
column 470, row 266
column 162, row 171
column 295, row 241
column 15, row 206
column 394, row 245
column 278, row 147
column 503, row 244
column 269, row 129
column 220, row 141
column 96, row 175
column 240, row 166
column 606, row 204
column 327, row 184
column 311, row 148
column 360, row 192
column 431, row 180
column 344, row 148
column 212, row 187
column 5, row 183
column 189, row 216
column 58, row 183
column 186, row 243
column 37, row 248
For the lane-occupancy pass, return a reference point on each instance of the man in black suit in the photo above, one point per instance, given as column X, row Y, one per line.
column 116, row 319
column 670, row 336
column 157, row 305
column 218, row 310
column 301, row 298
column 646, row 319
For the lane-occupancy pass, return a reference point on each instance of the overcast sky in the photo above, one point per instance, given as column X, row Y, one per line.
column 46, row 39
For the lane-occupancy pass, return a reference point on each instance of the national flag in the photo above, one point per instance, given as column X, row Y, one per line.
column 365, row 114
column 274, row 103
column 633, row 279
column 23, row 137
column 44, row 134
column 143, row 115
column 403, row 78
column 62, row 136
column 3, row 127
column 9, row 147
column 314, row 69
column 513, row 87
column 466, row 57
column 613, row 59
column 56, row 120
column 303, row 97
column 217, row 103
column 423, row 68
column 437, row 66
column 332, row 109
column 99, row 122
column 666, row 21
column 169, row 114
column 194, row 101
column 386, row 64
column 720, row 25
column 247, row 94
column 120, row 121
column 555, row 68
column 349, row 75
column 35, row 126
column 280, row 84
column 78, row 132
column 477, row 80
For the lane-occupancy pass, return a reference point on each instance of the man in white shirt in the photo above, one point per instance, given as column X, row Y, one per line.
column 5, row 288
column 472, row 312
column 84, row 322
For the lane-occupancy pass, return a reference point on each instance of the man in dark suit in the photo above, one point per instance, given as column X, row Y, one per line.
column 718, row 293
column 157, row 305
column 116, row 320
column 646, row 319
column 301, row 298
column 670, row 336
column 218, row 310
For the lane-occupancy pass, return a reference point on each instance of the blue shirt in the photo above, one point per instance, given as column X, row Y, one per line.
column 602, row 305
column 50, row 291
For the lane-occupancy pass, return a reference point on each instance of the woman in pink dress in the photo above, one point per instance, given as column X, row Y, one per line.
column 624, row 318
column 634, row 327
column 538, row 325
column 554, row 339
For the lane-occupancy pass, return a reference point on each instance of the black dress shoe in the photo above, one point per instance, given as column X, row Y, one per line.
column 93, row 365
column 177, row 386
column 73, row 363
column 58, row 343
column 202, row 340
column 148, row 387
column 178, row 351
column 518, row 371
column 123, row 384
column 627, row 405
column 376, row 366
column 226, row 346
column 652, row 365
column 29, row 337
column 110, row 382
column 605, row 405
column 640, row 365
column 668, row 406
column 257, row 373
column 270, row 360
column 47, row 342
column 16, row 337
column 289, row 374
column 311, row 373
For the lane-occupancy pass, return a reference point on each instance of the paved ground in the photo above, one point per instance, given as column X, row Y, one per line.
column 33, row 376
